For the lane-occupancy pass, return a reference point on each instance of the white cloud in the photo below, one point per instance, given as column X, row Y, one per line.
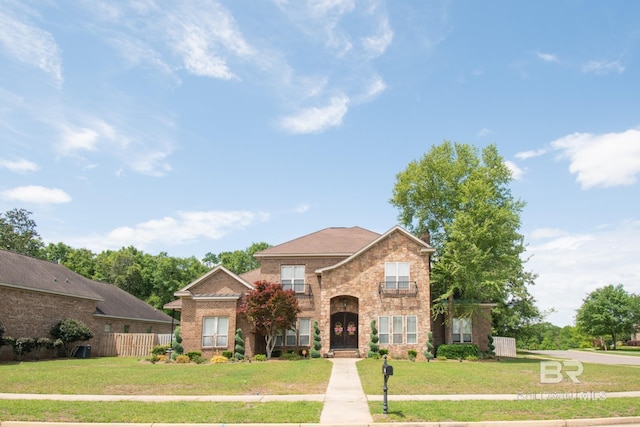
column 523, row 155
column 607, row 160
column 569, row 266
column 36, row 194
column 516, row 171
column 318, row 119
column 302, row 208
column 30, row 45
column 203, row 33
column 603, row 67
column 21, row 165
column 186, row 227
column 377, row 44
column 547, row 57
column 484, row 132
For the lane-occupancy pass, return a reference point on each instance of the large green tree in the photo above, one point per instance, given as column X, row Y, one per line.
column 270, row 310
column 18, row 233
column 611, row 311
column 237, row 261
column 460, row 196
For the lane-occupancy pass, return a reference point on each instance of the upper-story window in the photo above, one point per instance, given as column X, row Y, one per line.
column 396, row 275
column 292, row 278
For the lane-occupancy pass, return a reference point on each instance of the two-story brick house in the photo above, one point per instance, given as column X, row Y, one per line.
column 344, row 278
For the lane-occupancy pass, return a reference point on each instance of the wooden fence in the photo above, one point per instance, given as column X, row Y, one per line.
column 130, row 344
column 505, row 346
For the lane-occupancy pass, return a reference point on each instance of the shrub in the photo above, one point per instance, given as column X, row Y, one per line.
column 429, row 351
column 290, row 355
column 442, row 358
column 276, row 353
column 23, row 345
column 194, row 355
column 260, row 357
column 183, row 358
column 317, row 343
column 457, row 351
column 175, row 344
column 161, row 357
column 383, row 351
column 492, row 347
column 373, row 342
column 219, row 359
column 1, row 334
column 412, row 354
column 160, row 350
column 69, row 331
column 228, row 354
column 239, row 348
column 471, row 358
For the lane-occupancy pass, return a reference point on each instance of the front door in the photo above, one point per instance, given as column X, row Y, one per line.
column 344, row 330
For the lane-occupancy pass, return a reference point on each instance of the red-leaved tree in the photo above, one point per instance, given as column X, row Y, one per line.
column 269, row 309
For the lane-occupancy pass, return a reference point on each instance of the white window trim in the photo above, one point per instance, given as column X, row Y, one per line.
column 392, row 277
column 217, row 337
column 297, row 279
column 462, row 326
column 388, row 336
column 297, row 332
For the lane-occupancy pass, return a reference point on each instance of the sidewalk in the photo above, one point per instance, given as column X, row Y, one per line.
column 345, row 404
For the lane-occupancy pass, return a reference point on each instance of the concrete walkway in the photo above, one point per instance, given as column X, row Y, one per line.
column 345, row 404
column 345, row 401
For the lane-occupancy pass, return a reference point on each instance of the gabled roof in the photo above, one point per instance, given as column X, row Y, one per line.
column 186, row 291
column 25, row 272
column 426, row 247
column 333, row 241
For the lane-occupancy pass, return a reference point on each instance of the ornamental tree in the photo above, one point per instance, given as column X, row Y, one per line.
column 609, row 310
column 270, row 310
column 70, row 331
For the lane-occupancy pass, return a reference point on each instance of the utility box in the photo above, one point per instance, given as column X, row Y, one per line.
column 83, row 352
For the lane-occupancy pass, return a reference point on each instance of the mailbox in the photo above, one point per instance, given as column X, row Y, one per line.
column 387, row 370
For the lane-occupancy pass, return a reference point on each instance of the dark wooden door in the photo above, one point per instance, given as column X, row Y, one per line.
column 344, row 330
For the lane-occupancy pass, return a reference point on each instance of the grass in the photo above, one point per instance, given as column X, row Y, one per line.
column 130, row 376
column 476, row 410
column 164, row 412
column 509, row 376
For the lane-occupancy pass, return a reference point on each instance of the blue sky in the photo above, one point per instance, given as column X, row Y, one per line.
column 206, row 126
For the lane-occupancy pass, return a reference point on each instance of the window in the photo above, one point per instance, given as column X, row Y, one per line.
column 396, row 275
column 292, row 278
column 106, row 328
column 296, row 337
column 462, row 330
column 412, row 330
column 383, row 330
column 215, row 331
column 304, row 332
column 149, row 329
column 398, row 329
column 126, row 329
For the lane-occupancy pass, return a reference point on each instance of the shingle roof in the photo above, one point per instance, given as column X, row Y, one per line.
column 329, row 241
column 25, row 272
column 31, row 273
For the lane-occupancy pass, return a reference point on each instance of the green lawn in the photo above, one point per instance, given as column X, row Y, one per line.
column 132, row 376
column 125, row 375
column 509, row 376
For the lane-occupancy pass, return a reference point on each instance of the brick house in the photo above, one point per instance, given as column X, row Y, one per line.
column 36, row 294
column 343, row 278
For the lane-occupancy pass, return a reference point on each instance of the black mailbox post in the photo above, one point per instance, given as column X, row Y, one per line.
column 387, row 371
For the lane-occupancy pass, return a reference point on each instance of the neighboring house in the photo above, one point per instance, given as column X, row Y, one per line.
column 36, row 294
column 344, row 278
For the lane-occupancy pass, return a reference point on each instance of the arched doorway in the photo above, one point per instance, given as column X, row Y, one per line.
column 344, row 323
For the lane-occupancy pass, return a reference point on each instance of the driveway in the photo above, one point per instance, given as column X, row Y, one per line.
column 591, row 357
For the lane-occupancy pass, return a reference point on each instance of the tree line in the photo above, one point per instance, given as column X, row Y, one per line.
column 151, row 278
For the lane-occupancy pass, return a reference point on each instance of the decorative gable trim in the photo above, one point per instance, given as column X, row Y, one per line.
column 185, row 292
column 426, row 248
